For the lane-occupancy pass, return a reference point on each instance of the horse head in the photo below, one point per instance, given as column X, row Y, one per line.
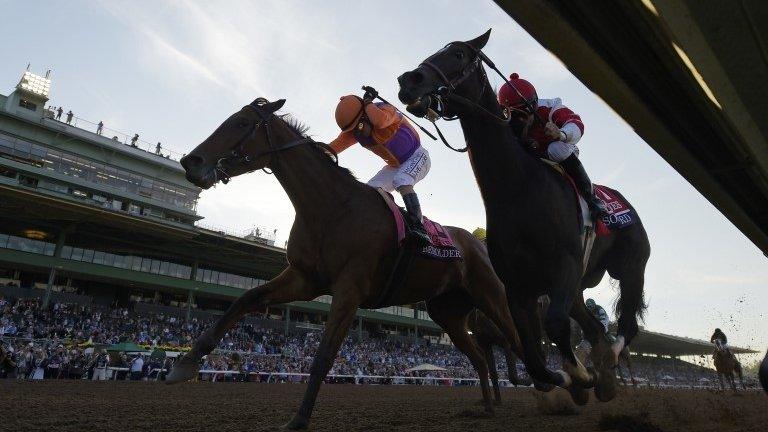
column 241, row 144
column 445, row 81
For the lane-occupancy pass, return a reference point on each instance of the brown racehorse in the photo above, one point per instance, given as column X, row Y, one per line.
column 725, row 365
column 342, row 243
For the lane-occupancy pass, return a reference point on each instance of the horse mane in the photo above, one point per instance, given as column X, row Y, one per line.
column 301, row 129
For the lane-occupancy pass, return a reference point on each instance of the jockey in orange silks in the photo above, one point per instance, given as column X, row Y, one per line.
column 380, row 128
column 554, row 137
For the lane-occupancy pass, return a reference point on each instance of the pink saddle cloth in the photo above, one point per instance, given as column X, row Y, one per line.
column 441, row 247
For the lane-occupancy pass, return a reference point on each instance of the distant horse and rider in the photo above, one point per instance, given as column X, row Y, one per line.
column 726, row 363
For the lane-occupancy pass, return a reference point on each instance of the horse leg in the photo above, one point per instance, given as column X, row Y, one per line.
column 511, row 358
column 601, row 354
column 628, row 360
column 490, row 360
column 340, row 318
column 533, row 358
column 720, row 377
column 288, row 286
column 450, row 312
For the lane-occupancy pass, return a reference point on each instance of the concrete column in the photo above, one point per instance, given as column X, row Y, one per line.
column 190, row 296
column 359, row 328
column 190, row 299
column 52, row 273
column 287, row 320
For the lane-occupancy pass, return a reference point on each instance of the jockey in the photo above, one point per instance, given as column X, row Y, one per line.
column 720, row 340
column 380, row 128
column 598, row 312
column 551, row 130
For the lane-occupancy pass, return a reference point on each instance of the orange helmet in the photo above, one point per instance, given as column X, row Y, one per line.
column 348, row 112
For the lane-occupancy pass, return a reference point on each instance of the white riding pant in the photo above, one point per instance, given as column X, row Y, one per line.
column 559, row 151
column 410, row 172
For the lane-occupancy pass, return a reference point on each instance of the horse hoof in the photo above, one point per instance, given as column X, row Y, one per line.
column 607, row 386
column 543, row 387
column 580, row 395
column 296, row 423
column 185, row 370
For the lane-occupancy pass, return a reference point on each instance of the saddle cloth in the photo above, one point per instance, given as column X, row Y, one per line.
column 441, row 245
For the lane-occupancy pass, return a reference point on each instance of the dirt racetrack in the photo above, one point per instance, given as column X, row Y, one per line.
column 127, row 406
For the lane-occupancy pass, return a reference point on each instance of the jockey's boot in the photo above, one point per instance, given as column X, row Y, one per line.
column 414, row 212
column 575, row 169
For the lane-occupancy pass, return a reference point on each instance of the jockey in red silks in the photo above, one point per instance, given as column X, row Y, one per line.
column 551, row 130
column 380, row 128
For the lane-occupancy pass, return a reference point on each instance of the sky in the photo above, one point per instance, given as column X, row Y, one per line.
column 174, row 70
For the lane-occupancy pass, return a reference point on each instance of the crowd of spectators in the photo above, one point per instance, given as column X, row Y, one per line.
column 67, row 341
column 59, row 341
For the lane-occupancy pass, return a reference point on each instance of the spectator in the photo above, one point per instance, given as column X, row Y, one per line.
column 158, row 149
column 137, row 368
column 134, row 139
column 100, row 127
column 58, row 113
column 69, row 117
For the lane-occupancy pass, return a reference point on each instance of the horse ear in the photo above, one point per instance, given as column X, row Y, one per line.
column 480, row 41
column 274, row 106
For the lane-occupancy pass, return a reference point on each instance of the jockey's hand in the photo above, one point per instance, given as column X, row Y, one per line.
column 552, row 131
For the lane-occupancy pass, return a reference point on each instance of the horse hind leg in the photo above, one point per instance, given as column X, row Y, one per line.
column 450, row 312
column 288, row 286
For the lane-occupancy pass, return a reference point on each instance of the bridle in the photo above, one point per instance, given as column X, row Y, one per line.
column 239, row 155
column 447, row 93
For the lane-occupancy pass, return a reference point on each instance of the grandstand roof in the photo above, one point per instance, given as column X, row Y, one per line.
column 675, row 71
column 648, row 342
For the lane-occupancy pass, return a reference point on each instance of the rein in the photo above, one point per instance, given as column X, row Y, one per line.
column 240, row 156
column 448, row 92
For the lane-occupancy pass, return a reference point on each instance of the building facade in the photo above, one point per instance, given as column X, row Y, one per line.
column 94, row 216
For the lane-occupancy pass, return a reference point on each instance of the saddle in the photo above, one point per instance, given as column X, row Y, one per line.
column 441, row 246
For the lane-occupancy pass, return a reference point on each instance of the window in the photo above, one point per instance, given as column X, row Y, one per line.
column 77, row 254
column 27, row 104
column 155, row 267
column 66, row 252
column 98, row 257
column 136, row 263
column 164, row 268
column 121, row 261
column 3, row 240
column 88, row 255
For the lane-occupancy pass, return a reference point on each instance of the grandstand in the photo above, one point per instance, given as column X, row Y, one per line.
column 89, row 217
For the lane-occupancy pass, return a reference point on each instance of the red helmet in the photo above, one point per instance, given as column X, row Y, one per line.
column 518, row 93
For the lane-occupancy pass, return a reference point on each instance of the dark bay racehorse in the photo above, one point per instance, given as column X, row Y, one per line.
column 533, row 241
column 342, row 243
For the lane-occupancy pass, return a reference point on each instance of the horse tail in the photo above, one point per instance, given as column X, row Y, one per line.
column 627, row 270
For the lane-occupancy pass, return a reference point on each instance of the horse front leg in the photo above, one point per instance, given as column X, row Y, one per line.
column 288, row 286
column 340, row 318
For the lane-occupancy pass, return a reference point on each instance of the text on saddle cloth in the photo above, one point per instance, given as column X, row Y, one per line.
column 441, row 247
column 620, row 214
